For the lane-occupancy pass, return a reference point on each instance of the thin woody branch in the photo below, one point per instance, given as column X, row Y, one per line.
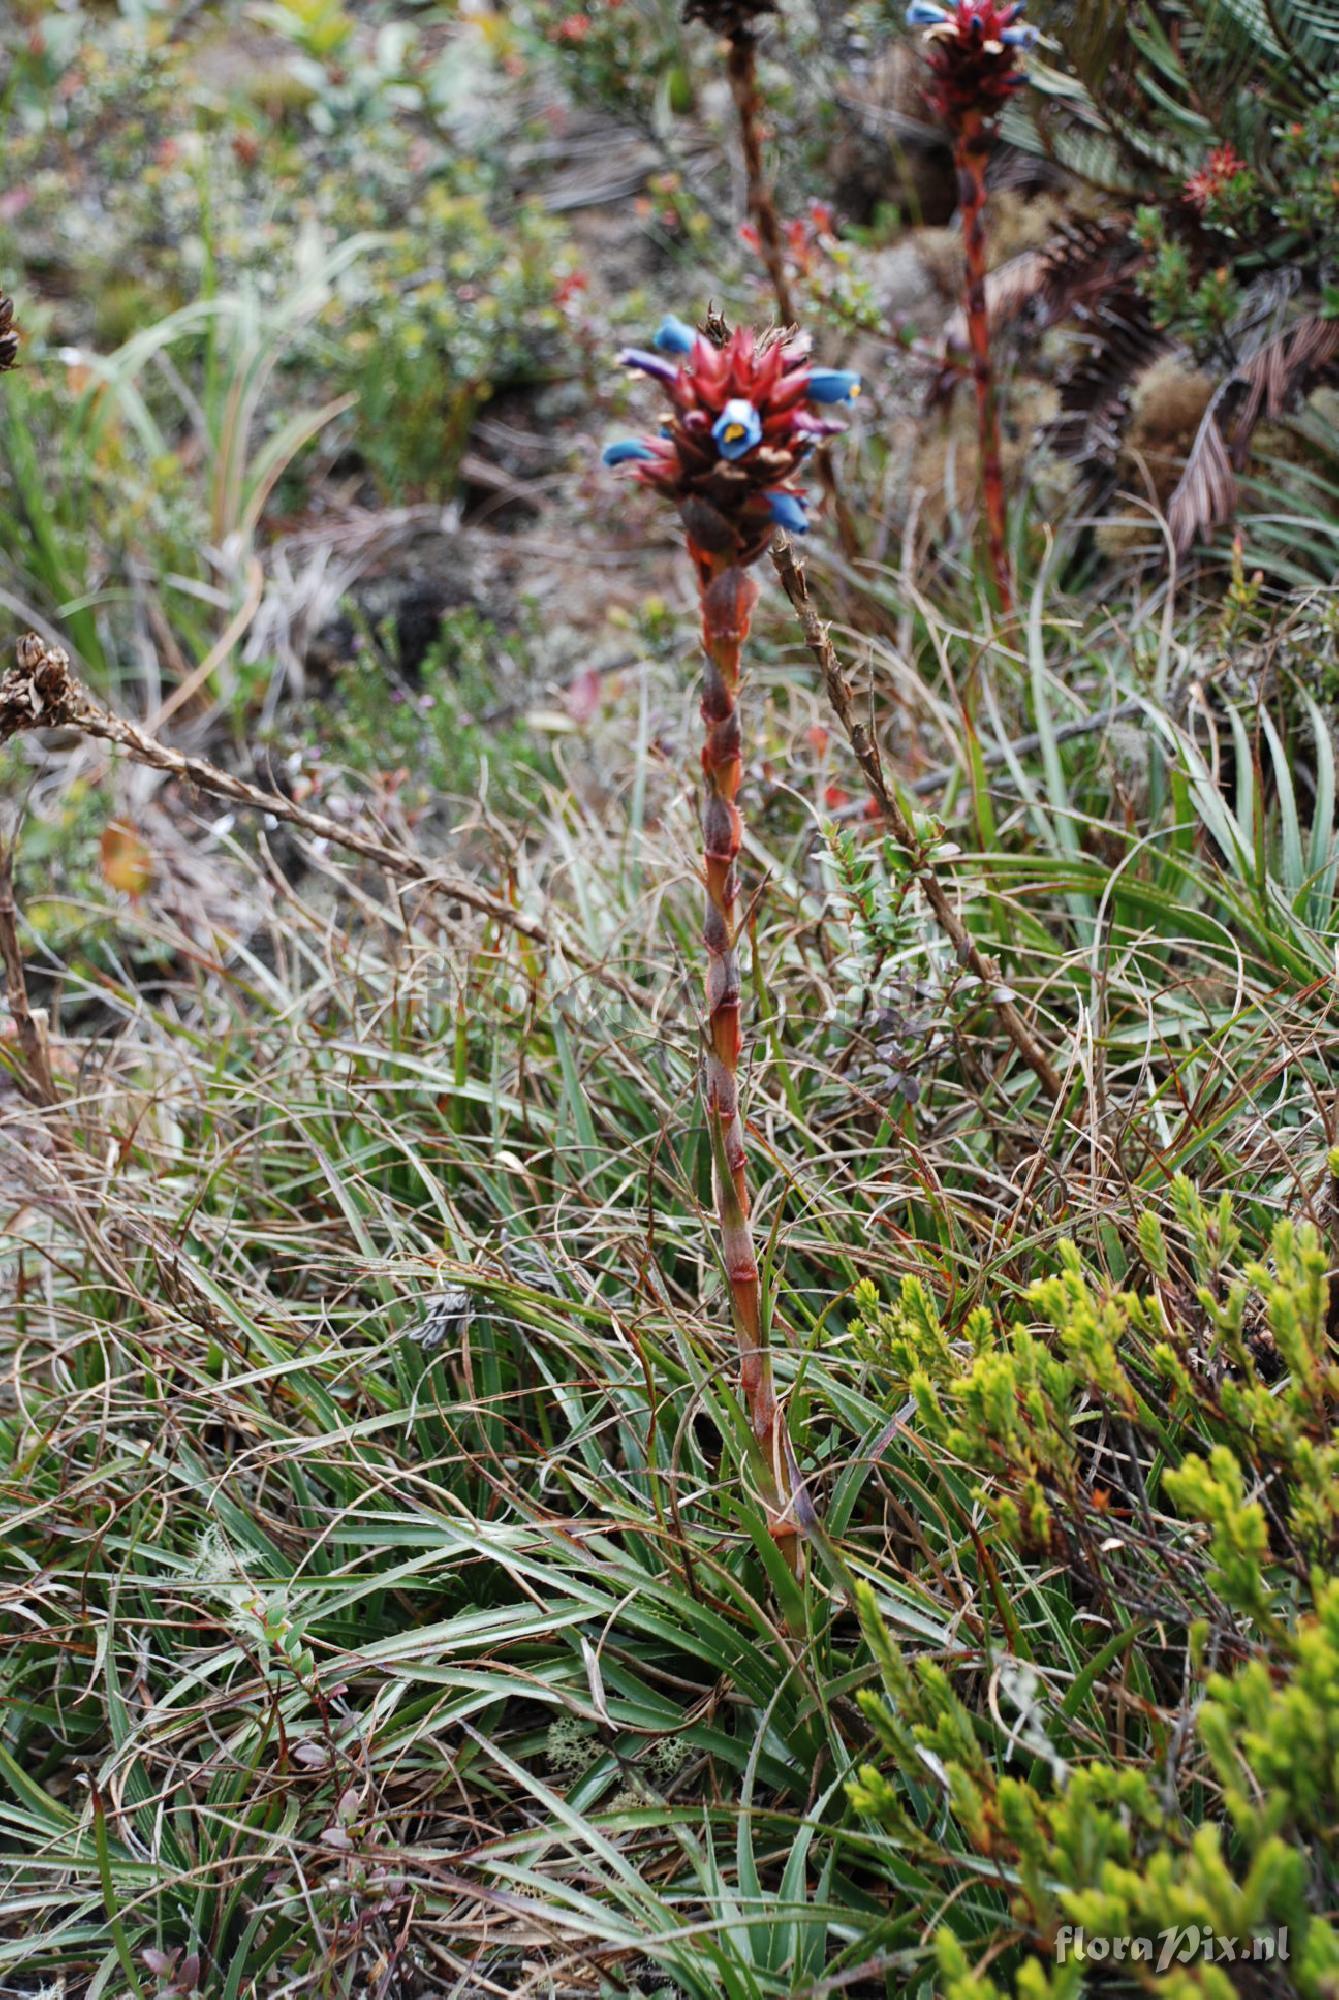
column 871, row 764
column 743, row 70
column 42, row 692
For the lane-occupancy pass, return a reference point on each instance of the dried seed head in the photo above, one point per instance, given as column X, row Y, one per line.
column 735, row 20
column 9, row 335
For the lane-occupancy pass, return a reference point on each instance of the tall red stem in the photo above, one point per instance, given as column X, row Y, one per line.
column 742, row 66
column 970, row 152
column 728, row 597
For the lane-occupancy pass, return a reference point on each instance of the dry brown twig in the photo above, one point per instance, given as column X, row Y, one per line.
column 33, row 1071
column 42, row 692
column 867, row 756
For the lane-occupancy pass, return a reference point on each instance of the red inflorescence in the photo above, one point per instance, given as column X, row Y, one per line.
column 973, row 51
column 739, row 426
column 1214, row 179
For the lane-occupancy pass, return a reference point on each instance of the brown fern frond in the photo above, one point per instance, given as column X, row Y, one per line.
column 1079, row 264
column 9, row 335
column 1118, row 341
column 1284, row 369
column 1278, row 374
column 1206, row 492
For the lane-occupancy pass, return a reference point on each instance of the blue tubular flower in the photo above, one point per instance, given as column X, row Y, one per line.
column 832, row 385
column 1024, row 36
column 674, row 337
column 737, row 429
column 925, row 14
column 650, row 364
column 787, row 510
column 625, row 450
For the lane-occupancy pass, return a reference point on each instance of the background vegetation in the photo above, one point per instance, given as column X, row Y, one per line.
column 387, row 1607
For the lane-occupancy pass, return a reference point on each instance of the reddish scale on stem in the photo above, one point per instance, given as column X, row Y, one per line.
column 740, row 423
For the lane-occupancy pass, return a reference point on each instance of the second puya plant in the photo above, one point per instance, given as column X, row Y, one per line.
column 743, row 412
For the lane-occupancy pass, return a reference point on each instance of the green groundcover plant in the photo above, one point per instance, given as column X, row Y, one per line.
column 1097, row 1427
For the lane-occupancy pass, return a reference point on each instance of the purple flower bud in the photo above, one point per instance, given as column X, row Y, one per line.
column 650, row 364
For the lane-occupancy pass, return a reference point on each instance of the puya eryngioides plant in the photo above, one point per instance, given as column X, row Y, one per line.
column 744, row 412
column 973, row 49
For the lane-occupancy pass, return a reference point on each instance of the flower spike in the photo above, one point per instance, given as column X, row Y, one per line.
column 745, row 415
column 743, row 420
column 972, row 48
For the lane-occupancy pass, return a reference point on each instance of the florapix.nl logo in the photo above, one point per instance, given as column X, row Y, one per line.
column 1179, row 1944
